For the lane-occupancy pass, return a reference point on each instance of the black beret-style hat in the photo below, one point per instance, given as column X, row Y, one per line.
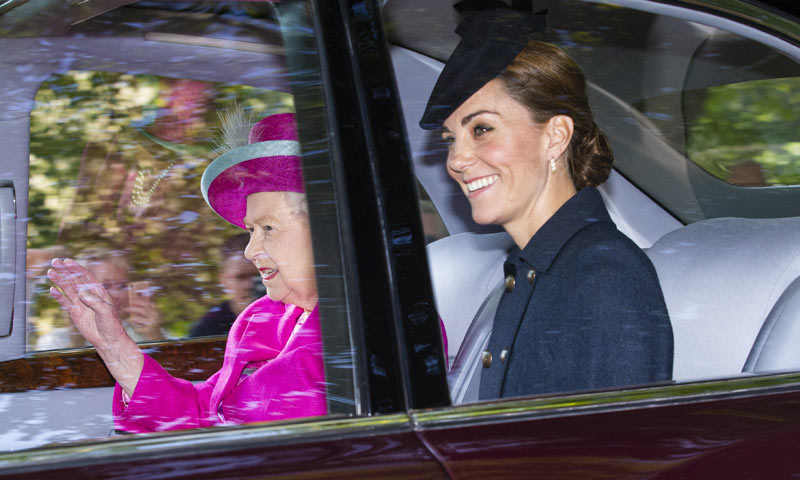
column 490, row 40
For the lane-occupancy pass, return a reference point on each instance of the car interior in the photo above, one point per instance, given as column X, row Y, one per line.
column 656, row 195
column 727, row 255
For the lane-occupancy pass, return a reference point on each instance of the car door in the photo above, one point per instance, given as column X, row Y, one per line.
column 92, row 87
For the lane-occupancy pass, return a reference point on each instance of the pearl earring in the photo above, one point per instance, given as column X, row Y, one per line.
column 552, row 165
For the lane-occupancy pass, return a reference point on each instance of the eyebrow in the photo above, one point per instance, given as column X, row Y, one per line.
column 264, row 217
column 468, row 118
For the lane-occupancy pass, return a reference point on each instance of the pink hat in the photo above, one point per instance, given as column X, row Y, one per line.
column 269, row 163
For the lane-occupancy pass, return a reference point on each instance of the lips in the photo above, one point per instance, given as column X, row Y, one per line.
column 268, row 273
column 481, row 183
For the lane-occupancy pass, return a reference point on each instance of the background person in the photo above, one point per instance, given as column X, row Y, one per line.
column 237, row 276
column 582, row 306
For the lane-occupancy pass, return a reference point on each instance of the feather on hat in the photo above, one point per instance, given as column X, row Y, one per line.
column 264, row 158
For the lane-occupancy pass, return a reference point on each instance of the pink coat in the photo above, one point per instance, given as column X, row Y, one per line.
column 267, row 374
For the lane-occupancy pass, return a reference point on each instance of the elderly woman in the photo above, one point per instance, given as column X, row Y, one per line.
column 582, row 306
column 273, row 365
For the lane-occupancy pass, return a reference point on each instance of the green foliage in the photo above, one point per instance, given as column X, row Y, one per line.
column 92, row 135
column 749, row 123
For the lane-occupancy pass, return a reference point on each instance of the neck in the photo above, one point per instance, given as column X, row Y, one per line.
column 556, row 193
column 306, row 304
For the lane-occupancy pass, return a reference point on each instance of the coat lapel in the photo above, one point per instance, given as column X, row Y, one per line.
column 260, row 334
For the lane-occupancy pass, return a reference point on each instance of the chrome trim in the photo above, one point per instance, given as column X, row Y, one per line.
column 6, row 5
column 601, row 402
column 221, row 439
column 752, row 13
column 730, row 14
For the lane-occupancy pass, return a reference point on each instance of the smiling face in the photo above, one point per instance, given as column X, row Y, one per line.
column 500, row 158
column 280, row 248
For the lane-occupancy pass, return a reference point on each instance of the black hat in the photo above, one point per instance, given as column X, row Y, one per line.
column 490, row 40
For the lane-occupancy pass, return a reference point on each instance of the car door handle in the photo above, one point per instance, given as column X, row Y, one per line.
column 8, row 264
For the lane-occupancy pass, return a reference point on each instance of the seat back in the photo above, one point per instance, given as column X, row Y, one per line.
column 464, row 269
column 721, row 278
column 777, row 347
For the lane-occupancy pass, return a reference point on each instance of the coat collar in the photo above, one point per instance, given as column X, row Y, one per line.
column 584, row 208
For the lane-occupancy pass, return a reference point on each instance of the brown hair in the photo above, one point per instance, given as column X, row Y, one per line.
column 548, row 82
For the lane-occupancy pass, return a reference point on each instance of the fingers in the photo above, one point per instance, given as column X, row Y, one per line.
column 62, row 299
column 92, row 297
column 64, row 288
column 85, row 278
column 71, row 278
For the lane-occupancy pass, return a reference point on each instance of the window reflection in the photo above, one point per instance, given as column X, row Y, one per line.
column 742, row 133
column 115, row 164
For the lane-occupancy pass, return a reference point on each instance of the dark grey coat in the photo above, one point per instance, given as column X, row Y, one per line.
column 591, row 316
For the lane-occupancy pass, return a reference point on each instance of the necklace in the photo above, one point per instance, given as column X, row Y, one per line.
column 141, row 197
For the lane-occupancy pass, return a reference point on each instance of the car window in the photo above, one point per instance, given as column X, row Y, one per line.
column 702, row 115
column 115, row 160
column 432, row 224
column 112, row 120
column 743, row 133
column 714, row 107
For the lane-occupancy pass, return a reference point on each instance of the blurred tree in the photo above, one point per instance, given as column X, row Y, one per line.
column 747, row 133
column 116, row 161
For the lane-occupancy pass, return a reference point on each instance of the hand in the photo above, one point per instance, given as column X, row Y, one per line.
column 92, row 311
column 144, row 318
column 89, row 304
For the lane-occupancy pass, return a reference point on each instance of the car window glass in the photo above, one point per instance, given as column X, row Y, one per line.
column 432, row 224
column 712, row 111
column 743, row 133
column 115, row 164
column 697, row 116
column 114, row 116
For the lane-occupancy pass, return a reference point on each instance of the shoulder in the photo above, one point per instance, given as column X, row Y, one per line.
column 601, row 246
column 216, row 321
column 605, row 267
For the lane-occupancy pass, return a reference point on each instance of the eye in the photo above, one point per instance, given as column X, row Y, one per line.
column 267, row 228
column 250, row 230
column 480, row 129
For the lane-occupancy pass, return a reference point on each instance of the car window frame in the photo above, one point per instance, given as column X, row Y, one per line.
column 378, row 392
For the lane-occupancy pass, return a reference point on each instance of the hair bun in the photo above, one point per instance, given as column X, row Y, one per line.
column 592, row 159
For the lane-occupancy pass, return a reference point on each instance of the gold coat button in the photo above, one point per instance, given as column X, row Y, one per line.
column 486, row 359
column 503, row 355
column 531, row 276
column 510, row 281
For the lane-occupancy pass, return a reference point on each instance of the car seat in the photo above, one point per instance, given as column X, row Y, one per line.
column 722, row 280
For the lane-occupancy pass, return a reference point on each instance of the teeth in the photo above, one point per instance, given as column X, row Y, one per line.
column 481, row 183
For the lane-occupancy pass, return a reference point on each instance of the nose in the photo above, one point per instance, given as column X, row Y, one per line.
column 254, row 246
column 459, row 157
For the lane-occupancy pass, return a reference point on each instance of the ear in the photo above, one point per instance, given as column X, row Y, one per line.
column 559, row 130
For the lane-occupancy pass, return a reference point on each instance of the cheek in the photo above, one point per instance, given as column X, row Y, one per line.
column 307, row 253
column 501, row 154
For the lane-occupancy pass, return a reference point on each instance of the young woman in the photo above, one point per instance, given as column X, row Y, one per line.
column 582, row 307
